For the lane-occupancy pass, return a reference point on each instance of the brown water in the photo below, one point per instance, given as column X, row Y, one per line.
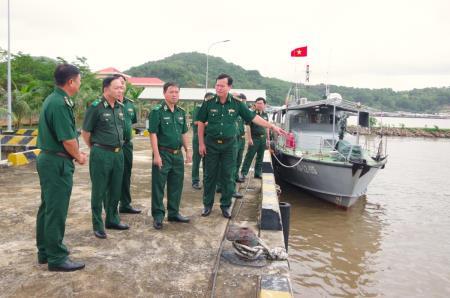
column 395, row 242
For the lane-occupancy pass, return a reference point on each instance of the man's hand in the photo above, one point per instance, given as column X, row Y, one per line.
column 157, row 161
column 82, row 159
column 202, row 149
column 250, row 142
column 188, row 157
column 278, row 130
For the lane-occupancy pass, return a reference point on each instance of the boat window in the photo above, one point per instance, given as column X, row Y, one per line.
column 317, row 118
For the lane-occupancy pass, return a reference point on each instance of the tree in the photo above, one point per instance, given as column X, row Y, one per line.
column 20, row 107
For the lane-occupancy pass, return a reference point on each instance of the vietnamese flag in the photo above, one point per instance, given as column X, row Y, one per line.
column 299, row 52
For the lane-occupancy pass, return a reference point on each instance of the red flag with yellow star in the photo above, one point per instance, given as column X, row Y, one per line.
column 299, row 52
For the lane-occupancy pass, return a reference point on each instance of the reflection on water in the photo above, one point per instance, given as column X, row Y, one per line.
column 395, row 242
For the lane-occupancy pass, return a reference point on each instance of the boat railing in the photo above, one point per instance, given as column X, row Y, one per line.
column 375, row 145
column 323, row 147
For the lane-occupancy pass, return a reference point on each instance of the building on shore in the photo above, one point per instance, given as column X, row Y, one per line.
column 134, row 81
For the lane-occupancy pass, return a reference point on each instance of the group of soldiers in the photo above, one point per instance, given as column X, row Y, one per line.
column 106, row 130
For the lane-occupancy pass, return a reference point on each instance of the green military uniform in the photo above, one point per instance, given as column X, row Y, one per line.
column 220, row 142
column 240, row 145
column 130, row 119
column 169, row 127
column 196, row 158
column 259, row 145
column 55, row 169
column 106, row 125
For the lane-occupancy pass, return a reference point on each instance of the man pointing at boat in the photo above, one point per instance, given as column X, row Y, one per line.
column 221, row 111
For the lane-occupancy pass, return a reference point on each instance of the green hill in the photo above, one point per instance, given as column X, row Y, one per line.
column 188, row 69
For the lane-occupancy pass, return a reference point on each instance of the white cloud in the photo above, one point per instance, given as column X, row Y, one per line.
column 398, row 44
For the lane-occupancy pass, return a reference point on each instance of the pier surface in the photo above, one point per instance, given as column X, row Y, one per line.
column 181, row 260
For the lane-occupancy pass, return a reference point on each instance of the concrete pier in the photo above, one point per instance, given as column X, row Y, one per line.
column 181, row 260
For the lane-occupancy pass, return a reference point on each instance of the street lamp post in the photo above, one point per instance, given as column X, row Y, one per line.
column 207, row 61
column 9, row 74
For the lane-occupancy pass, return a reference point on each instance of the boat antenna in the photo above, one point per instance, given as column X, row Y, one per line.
column 307, row 75
column 327, row 77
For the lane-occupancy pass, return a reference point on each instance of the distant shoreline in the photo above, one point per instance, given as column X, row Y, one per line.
column 421, row 116
column 403, row 132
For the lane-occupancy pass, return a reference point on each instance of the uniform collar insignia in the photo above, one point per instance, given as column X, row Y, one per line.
column 68, row 101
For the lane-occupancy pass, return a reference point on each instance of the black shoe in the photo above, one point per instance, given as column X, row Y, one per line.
column 157, row 224
column 100, row 234
column 238, row 195
column 206, row 211
column 240, row 179
column 179, row 218
column 130, row 210
column 258, row 177
column 119, row 226
column 218, row 190
column 196, row 185
column 67, row 266
column 226, row 212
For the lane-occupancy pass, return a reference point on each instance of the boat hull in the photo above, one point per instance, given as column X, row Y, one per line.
column 338, row 183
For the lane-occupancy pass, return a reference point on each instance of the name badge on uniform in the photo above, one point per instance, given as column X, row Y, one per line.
column 166, row 118
column 180, row 118
column 130, row 110
column 213, row 110
column 106, row 114
column 231, row 111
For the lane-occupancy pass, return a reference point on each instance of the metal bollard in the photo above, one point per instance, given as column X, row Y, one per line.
column 285, row 210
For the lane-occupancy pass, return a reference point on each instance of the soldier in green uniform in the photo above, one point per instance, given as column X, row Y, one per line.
column 240, row 146
column 219, row 144
column 196, row 158
column 130, row 119
column 103, row 128
column 57, row 139
column 168, row 128
column 258, row 141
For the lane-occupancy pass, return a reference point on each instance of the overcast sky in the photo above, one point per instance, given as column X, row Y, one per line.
column 395, row 44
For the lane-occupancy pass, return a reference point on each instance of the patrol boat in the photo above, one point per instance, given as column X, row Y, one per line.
column 318, row 155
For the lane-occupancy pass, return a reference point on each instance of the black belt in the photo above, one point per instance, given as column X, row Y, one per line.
column 170, row 150
column 221, row 140
column 107, row 147
column 60, row 154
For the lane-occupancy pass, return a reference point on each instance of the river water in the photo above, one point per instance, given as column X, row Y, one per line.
column 407, row 122
column 393, row 243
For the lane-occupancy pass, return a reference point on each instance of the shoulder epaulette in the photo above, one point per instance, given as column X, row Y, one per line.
column 237, row 98
column 209, row 97
column 120, row 103
column 96, row 102
column 181, row 108
column 156, row 107
column 129, row 99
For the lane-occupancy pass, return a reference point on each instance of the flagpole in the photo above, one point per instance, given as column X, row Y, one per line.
column 9, row 72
